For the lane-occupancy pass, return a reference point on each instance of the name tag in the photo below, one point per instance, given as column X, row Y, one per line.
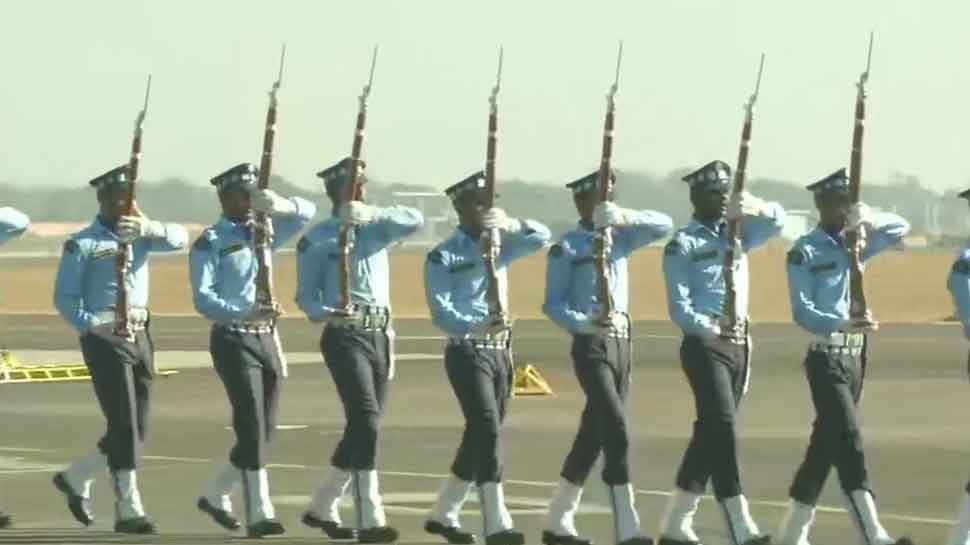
column 461, row 267
column 704, row 255
column 822, row 268
column 231, row 248
column 108, row 252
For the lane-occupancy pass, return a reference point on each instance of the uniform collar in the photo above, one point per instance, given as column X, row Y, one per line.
column 584, row 227
column 696, row 225
column 226, row 223
column 100, row 225
column 464, row 232
column 822, row 235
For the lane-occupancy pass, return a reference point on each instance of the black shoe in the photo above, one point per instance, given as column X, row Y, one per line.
column 904, row 541
column 639, row 540
column 80, row 507
column 668, row 541
column 137, row 525
column 760, row 540
column 505, row 537
column 220, row 516
column 378, row 534
column 550, row 538
column 268, row 527
column 5, row 520
column 452, row 534
column 329, row 527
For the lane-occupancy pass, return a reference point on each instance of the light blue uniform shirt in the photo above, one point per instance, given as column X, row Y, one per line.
column 455, row 280
column 571, row 285
column 959, row 285
column 694, row 268
column 818, row 272
column 13, row 223
column 318, row 261
column 87, row 276
column 223, row 263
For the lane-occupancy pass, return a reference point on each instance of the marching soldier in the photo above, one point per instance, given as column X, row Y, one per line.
column 13, row 223
column 121, row 369
column 715, row 362
column 601, row 355
column 478, row 357
column 243, row 342
column 356, row 344
column 818, row 284
column 959, row 286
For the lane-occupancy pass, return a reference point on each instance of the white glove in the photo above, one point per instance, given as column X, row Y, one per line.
column 859, row 214
column 356, row 213
column 744, row 204
column 133, row 227
column 496, row 218
column 609, row 214
column 489, row 326
column 270, row 202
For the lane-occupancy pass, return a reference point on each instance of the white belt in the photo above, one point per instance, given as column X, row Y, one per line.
column 137, row 317
column 248, row 327
column 841, row 343
column 499, row 341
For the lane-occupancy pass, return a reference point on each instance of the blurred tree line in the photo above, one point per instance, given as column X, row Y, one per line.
column 931, row 213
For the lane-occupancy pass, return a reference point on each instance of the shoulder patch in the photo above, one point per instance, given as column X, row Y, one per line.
column 70, row 246
column 555, row 250
column 202, row 243
column 302, row 245
column 436, row 257
column 673, row 247
column 961, row 267
column 796, row 257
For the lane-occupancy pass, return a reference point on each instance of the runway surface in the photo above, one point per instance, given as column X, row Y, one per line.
column 914, row 423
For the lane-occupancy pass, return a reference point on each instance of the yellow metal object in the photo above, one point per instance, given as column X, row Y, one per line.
column 12, row 371
column 528, row 382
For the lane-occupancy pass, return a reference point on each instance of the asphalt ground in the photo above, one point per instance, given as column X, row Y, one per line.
column 914, row 423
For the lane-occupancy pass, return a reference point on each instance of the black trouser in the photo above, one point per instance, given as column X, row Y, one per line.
column 836, row 381
column 359, row 361
column 121, row 372
column 482, row 381
column 249, row 366
column 717, row 370
column 602, row 366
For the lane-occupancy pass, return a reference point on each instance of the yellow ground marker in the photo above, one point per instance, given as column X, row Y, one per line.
column 12, row 371
column 528, row 382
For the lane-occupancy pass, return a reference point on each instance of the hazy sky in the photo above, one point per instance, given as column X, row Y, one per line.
column 74, row 74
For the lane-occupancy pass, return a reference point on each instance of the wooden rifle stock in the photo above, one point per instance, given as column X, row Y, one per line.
column 491, row 239
column 604, row 237
column 858, row 306
column 729, row 315
column 352, row 193
column 265, row 295
column 123, row 261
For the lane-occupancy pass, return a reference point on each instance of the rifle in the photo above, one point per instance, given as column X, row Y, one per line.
column 265, row 298
column 123, row 261
column 352, row 193
column 604, row 239
column 858, row 307
column 729, row 317
column 491, row 241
